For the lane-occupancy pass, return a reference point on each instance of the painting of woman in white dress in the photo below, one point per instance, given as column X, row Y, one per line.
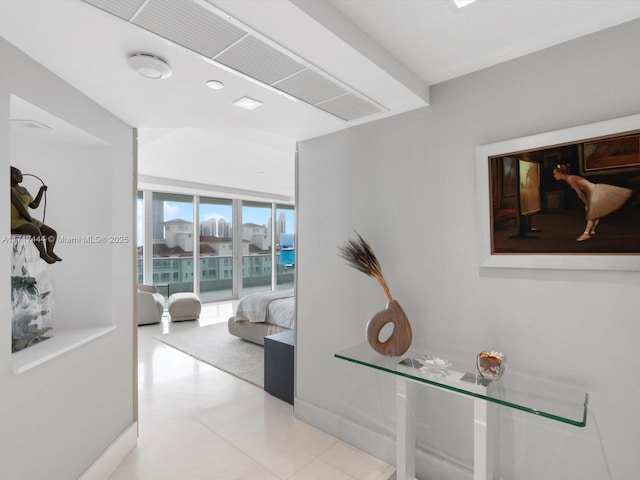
column 600, row 199
column 577, row 211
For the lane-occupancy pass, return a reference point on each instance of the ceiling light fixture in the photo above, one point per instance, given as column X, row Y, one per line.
column 247, row 103
column 149, row 66
column 215, row 84
column 199, row 27
column 463, row 3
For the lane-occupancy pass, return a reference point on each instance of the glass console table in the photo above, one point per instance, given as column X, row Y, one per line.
column 556, row 401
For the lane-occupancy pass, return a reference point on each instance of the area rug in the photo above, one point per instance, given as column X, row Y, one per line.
column 214, row 345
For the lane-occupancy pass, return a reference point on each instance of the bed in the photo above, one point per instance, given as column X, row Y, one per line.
column 261, row 314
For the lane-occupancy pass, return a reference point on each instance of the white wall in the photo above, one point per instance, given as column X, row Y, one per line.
column 407, row 184
column 74, row 208
column 58, row 417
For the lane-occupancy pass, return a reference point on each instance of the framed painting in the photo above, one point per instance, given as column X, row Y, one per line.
column 550, row 216
column 554, row 201
column 509, row 176
column 611, row 153
column 530, row 200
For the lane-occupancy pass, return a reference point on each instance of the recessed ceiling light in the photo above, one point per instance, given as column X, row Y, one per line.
column 215, row 84
column 247, row 103
column 463, row 3
column 149, row 66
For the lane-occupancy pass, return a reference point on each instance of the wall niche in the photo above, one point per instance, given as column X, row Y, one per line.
column 50, row 312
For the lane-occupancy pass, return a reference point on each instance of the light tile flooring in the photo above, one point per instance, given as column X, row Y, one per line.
column 199, row 423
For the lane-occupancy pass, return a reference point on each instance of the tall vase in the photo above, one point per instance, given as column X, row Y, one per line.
column 400, row 339
column 31, row 299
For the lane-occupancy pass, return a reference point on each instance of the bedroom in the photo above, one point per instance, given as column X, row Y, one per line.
column 258, row 224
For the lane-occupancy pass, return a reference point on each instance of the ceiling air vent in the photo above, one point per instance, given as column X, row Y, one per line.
column 348, row 107
column 189, row 25
column 258, row 60
column 201, row 28
column 120, row 8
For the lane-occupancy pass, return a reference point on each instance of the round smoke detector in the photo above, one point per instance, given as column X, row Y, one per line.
column 149, row 66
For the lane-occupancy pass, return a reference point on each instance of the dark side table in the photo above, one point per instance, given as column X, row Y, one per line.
column 278, row 365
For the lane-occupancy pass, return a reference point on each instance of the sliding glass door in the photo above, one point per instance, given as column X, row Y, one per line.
column 285, row 246
column 256, row 247
column 140, row 237
column 173, row 242
column 216, row 248
column 219, row 248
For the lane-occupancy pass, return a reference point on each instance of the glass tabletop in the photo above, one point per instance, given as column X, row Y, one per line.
column 556, row 401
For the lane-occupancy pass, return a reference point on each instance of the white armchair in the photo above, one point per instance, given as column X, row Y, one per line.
column 150, row 305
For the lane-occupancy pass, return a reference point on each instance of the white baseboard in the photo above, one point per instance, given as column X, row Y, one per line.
column 374, row 443
column 377, row 444
column 113, row 456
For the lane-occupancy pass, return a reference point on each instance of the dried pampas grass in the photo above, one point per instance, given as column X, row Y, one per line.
column 359, row 255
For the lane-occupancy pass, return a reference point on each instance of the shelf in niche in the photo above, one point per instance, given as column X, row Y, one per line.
column 63, row 340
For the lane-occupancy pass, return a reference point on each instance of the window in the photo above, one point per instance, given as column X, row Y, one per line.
column 172, row 238
column 216, row 241
column 257, row 227
column 285, row 246
column 265, row 228
column 140, row 236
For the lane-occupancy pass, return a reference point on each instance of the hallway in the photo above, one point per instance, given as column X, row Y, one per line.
column 197, row 422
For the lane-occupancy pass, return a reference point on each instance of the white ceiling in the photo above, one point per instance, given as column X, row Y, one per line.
column 439, row 42
column 388, row 50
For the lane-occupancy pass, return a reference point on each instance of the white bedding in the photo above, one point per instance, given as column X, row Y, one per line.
column 280, row 313
column 274, row 308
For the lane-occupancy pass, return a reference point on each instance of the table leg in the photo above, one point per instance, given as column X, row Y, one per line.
column 405, row 430
column 479, row 439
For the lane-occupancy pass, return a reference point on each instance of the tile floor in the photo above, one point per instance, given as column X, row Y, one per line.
column 199, row 423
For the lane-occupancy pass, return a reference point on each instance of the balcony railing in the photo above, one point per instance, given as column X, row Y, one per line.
column 216, row 274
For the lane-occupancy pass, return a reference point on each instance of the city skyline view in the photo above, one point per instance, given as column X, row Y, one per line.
column 174, row 236
column 175, row 210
